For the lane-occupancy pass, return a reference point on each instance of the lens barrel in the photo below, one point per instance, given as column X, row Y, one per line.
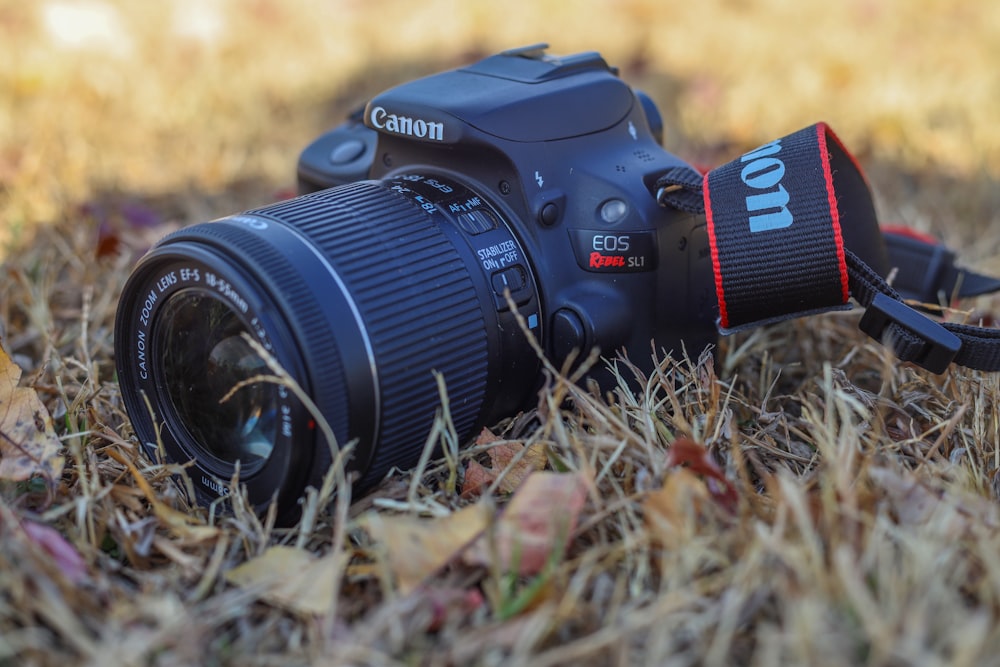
column 361, row 293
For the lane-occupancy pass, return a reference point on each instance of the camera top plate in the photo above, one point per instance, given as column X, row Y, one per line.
column 521, row 95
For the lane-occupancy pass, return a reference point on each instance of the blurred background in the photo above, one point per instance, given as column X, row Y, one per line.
column 178, row 110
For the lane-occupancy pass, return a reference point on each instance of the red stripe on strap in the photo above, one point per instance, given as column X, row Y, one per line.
column 822, row 129
column 910, row 233
column 716, row 266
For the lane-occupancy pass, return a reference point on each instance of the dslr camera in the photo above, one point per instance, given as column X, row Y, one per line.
column 455, row 218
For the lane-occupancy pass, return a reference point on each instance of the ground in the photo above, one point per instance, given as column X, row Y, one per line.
column 801, row 499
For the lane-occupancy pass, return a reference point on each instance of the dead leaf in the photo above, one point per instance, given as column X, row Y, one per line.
column 536, row 526
column 123, row 224
column 508, row 464
column 505, row 458
column 63, row 554
column 683, row 494
column 415, row 548
column 694, row 487
column 696, row 458
column 477, row 479
column 914, row 502
column 292, row 578
column 28, row 442
column 445, row 602
column 486, row 437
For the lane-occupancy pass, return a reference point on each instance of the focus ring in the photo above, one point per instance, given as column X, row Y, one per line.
column 419, row 304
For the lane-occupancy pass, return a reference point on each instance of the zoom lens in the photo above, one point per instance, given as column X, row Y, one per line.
column 364, row 294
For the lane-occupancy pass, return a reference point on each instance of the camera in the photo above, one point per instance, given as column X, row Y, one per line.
column 438, row 231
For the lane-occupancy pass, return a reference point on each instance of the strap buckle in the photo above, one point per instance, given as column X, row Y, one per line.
column 926, row 269
column 935, row 347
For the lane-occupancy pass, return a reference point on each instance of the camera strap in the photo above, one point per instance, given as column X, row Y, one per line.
column 793, row 231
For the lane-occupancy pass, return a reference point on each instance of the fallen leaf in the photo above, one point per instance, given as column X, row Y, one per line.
column 508, row 464
column 682, row 495
column 535, row 527
column 696, row 458
column 63, row 554
column 505, row 459
column 486, row 437
column 121, row 224
column 537, row 524
column 28, row 442
column 694, row 487
column 415, row 548
column 291, row 578
column 444, row 602
column 914, row 501
column 476, row 479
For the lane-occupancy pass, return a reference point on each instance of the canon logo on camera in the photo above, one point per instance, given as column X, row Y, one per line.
column 406, row 126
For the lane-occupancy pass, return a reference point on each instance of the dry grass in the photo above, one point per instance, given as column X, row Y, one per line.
column 866, row 527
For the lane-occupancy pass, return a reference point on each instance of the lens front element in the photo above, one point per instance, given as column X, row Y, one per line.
column 207, row 365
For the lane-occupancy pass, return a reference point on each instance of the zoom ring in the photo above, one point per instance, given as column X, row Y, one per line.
column 418, row 303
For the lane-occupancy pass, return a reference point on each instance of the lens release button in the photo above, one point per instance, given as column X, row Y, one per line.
column 568, row 334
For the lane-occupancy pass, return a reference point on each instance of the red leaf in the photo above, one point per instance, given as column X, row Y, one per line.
column 536, row 526
column 696, row 458
column 447, row 601
column 63, row 553
column 477, row 478
column 486, row 437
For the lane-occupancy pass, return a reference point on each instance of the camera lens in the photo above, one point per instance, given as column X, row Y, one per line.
column 365, row 294
column 208, row 369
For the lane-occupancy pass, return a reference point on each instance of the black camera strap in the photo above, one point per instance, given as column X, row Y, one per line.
column 793, row 232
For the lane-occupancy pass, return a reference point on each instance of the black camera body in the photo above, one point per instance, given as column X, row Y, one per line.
column 572, row 153
column 523, row 180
